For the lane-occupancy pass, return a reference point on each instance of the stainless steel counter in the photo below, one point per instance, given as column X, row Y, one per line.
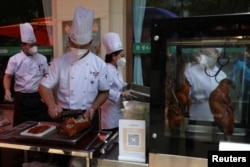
column 93, row 155
column 87, row 144
column 110, row 159
column 77, row 150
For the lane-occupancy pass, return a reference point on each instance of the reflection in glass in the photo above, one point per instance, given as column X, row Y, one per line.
column 194, row 69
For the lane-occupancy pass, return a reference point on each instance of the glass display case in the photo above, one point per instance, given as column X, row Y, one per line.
column 200, row 84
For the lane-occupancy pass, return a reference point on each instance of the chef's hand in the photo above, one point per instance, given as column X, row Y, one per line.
column 54, row 111
column 7, row 96
column 127, row 95
column 89, row 113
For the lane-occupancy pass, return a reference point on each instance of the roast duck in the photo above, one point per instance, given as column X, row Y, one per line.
column 175, row 117
column 178, row 100
column 72, row 126
column 221, row 107
column 179, row 105
column 183, row 97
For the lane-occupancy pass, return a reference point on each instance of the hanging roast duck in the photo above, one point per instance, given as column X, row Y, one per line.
column 221, row 107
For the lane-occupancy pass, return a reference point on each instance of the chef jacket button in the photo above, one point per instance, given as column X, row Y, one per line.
column 72, row 77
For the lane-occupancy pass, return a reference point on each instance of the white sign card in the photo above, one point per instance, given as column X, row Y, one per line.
column 232, row 146
column 132, row 140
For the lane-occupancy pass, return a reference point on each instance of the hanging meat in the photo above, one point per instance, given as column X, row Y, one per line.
column 178, row 100
column 221, row 107
column 183, row 97
column 175, row 117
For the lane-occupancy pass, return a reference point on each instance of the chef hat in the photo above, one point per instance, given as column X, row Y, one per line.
column 112, row 42
column 219, row 49
column 27, row 33
column 82, row 25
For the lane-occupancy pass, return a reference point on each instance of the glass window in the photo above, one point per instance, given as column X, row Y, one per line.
column 165, row 9
column 202, row 64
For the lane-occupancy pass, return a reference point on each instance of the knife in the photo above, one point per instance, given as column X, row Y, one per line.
column 66, row 113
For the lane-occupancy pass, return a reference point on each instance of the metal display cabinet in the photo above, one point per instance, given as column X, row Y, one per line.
column 176, row 45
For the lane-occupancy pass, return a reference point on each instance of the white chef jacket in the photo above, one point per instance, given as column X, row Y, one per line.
column 27, row 70
column 111, row 109
column 201, row 87
column 77, row 81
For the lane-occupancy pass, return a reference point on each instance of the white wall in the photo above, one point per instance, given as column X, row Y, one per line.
column 117, row 22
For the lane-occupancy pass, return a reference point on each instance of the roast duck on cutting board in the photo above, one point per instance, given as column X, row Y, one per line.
column 72, row 126
column 221, row 107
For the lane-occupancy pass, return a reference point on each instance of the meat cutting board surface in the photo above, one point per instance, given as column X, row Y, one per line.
column 50, row 136
column 41, row 134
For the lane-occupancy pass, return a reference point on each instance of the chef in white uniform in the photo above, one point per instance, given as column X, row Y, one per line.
column 115, row 58
column 203, row 81
column 80, row 76
column 27, row 67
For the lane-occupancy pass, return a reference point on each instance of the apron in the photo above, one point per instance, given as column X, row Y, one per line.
column 29, row 107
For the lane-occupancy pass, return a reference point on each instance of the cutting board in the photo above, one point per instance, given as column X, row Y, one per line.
column 50, row 136
column 47, row 131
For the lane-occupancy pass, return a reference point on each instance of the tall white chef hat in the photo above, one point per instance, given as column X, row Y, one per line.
column 219, row 49
column 27, row 33
column 82, row 26
column 112, row 42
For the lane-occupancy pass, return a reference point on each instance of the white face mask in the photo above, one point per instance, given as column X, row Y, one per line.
column 78, row 53
column 121, row 61
column 207, row 61
column 33, row 50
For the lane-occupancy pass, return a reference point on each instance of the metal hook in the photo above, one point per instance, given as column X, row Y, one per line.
column 226, row 63
column 221, row 65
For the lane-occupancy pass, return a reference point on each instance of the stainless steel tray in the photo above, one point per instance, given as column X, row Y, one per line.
column 52, row 138
column 142, row 93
